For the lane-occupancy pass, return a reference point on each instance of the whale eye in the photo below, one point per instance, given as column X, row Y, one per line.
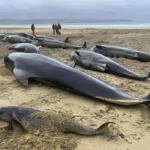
column 90, row 58
column 9, row 63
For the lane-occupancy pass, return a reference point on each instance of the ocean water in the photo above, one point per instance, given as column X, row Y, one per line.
column 76, row 24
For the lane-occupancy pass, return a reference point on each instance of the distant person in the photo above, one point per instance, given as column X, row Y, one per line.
column 54, row 28
column 59, row 28
column 33, row 29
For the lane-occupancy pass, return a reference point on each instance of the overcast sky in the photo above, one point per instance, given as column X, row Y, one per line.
column 75, row 9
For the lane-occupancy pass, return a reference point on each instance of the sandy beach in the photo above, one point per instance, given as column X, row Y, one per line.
column 133, row 122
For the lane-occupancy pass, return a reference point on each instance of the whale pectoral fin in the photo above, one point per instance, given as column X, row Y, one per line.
column 16, row 123
column 16, row 118
column 74, row 64
column 21, row 76
column 100, row 67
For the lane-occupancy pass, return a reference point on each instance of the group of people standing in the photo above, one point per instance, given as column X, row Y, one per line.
column 55, row 27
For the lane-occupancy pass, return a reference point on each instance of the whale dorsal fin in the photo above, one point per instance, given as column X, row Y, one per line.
column 77, row 53
column 98, row 46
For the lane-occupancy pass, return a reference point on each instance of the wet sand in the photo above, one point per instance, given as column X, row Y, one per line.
column 133, row 122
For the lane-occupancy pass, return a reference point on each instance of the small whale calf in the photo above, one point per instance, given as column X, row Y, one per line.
column 19, row 116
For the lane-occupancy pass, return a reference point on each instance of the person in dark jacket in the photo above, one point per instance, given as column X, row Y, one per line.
column 57, row 30
column 58, row 27
column 54, row 28
column 33, row 29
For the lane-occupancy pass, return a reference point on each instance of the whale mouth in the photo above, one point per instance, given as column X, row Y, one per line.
column 4, row 116
column 4, row 39
column 123, row 102
column 9, row 63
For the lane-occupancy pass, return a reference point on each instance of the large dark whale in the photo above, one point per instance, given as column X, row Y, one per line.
column 25, row 47
column 116, row 51
column 56, row 44
column 98, row 62
column 19, row 116
column 34, row 66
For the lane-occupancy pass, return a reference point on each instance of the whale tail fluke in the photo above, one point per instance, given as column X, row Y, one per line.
column 147, row 101
column 148, row 97
column 103, row 128
column 85, row 45
column 10, row 48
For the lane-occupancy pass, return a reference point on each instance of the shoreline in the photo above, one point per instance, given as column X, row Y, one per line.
column 65, row 30
column 84, row 26
column 87, row 28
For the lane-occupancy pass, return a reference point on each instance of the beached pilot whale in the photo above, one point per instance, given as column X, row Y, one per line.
column 42, row 37
column 56, row 44
column 17, row 117
column 27, row 66
column 2, row 36
column 25, row 35
column 116, row 51
column 17, row 39
column 98, row 62
column 39, row 37
column 25, row 47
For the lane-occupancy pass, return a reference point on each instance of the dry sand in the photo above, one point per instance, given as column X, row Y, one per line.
column 134, row 122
